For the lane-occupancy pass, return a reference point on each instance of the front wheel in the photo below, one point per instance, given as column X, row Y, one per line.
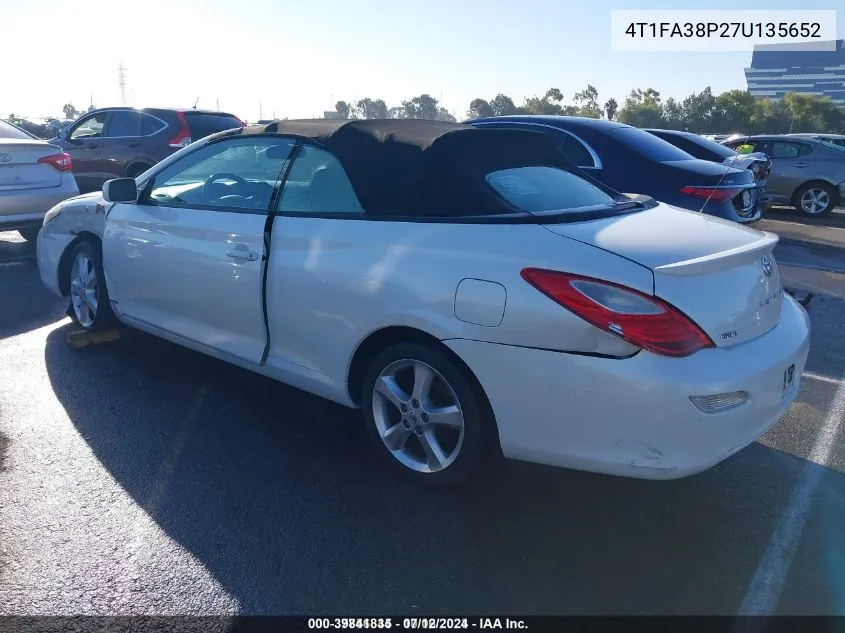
column 815, row 199
column 425, row 417
column 89, row 299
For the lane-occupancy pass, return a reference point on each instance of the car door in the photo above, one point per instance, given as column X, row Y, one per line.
column 188, row 257
column 790, row 162
column 82, row 142
column 120, row 142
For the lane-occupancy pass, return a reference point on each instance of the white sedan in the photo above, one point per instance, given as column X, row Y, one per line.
column 467, row 288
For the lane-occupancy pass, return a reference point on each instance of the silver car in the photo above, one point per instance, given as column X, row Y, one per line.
column 807, row 174
column 34, row 176
column 836, row 139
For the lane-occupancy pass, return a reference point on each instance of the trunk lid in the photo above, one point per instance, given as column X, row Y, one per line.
column 19, row 166
column 720, row 274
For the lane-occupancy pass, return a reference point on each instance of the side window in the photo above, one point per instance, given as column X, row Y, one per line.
column 91, row 127
column 782, row 149
column 150, row 125
column 239, row 173
column 124, row 123
column 317, row 183
column 575, row 151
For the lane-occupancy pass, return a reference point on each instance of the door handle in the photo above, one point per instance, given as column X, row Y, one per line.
column 241, row 252
column 801, row 165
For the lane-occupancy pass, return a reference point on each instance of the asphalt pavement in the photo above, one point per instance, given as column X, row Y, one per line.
column 138, row 477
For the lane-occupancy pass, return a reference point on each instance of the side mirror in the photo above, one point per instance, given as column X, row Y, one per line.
column 120, row 190
column 62, row 134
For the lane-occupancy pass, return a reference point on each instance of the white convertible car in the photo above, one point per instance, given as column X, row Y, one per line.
column 468, row 289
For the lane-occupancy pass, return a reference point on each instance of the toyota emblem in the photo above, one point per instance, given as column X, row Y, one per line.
column 767, row 264
column 5, row 158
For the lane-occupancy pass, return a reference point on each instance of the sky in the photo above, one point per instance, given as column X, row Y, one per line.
column 296, row 58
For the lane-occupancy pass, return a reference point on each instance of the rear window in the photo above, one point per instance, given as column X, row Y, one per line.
column 709, row 146
column 648, row 145
column 203, row 124
column 8, row 130
column 537, row 189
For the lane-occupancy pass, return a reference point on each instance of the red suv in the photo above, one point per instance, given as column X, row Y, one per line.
column 125, row 142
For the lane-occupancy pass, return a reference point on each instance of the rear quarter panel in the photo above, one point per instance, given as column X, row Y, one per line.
column 331, row 283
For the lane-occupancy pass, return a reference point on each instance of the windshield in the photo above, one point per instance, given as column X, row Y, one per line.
column 648, row 145
column 538, row 189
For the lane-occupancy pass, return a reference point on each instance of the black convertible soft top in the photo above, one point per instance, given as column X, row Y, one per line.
column 409, row 167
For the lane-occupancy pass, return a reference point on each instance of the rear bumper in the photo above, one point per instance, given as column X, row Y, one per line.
column 633, row 417
column 21, row 209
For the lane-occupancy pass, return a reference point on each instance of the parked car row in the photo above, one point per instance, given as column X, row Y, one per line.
column 632, row 160
column 472, row 289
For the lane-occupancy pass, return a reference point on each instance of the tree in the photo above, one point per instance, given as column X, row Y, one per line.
column 444, row 115
column 343, row 109
column 673, row 115
column 503, row 105
column 587, row 102
column 611, row 108
column 421, row 107
column 643, row 109
column 698, row 110
column 70, row 111
column 549, row 103
column 733, row 112
column 397, row 112
column 372, row 109
column 479, row 108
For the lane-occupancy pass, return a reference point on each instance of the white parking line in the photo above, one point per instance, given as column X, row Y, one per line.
column 767, row 584
column 823, row 378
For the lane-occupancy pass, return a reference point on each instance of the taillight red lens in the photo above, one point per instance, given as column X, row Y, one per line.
column 183, row 139
column 640, row 319
column 715, row 194
column 62, row 161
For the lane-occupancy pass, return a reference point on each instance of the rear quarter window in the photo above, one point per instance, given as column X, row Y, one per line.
column 537, row 189
column 648, row 145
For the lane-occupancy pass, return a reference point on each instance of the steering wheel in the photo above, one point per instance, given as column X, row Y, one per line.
column 241, row 188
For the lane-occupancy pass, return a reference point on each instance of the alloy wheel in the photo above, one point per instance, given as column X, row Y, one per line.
column 83, row 290
column 418, row 416
column 815, row 200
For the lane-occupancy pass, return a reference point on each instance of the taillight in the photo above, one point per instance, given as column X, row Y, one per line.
column 62, row 161
column 715, row 194
column 183, row 139
column 640, row 319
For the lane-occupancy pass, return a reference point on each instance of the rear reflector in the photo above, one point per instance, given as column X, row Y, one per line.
column 62, row 161
column 720, row 401
column 640, row 319
column 714, row 194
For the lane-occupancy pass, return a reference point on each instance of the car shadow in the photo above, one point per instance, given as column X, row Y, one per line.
column 25, row 304
column 788, row 214
column 279, row 496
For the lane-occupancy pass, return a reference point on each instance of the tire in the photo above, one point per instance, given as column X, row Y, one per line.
column 89, row 298
column 815, row 199
column 30, row 234
column 455, row 454
column 136, row 170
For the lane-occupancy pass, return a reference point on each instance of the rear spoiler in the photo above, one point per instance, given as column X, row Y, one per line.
column 716, row 262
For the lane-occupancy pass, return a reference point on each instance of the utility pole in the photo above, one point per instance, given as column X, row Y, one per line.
column 260, row 111
column 121, row 78
column 218, row 104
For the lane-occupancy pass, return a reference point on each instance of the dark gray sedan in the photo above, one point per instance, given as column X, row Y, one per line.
column 806, row 173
